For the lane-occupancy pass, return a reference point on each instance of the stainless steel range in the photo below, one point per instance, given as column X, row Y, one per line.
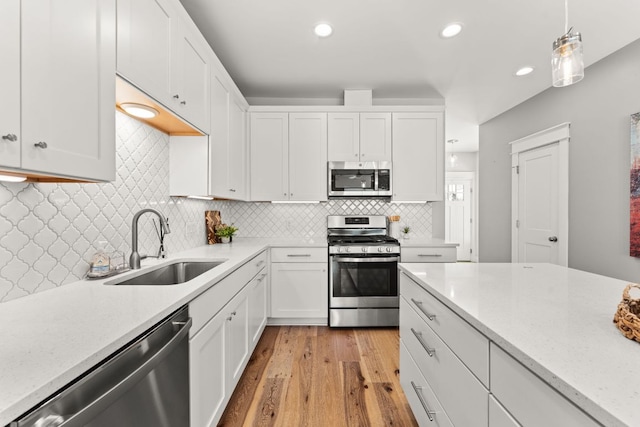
column 363, row 272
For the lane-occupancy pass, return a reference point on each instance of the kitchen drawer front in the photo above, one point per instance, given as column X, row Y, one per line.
column 206, row 305
column 466, row 342
column 428, row 254
column 498, row 416
column 447, row 376
column 299, row 255
column 531, row 401
column 419, row 395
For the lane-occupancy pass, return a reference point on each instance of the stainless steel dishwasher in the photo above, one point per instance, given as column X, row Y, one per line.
column 146, row 383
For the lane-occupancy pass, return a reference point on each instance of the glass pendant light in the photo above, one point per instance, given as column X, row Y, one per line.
column 567, row 64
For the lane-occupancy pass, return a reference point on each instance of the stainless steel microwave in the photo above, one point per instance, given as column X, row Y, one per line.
column 359, row 179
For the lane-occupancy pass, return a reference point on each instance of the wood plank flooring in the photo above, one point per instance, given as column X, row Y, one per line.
column 316, row 376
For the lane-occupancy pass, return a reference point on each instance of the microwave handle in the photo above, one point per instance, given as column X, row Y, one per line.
column 376, row 186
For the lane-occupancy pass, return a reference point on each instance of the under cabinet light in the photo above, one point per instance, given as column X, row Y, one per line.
column 139, row 110
column 12, row 178
column 409, row 202
column 200, row 197
column 293, row 202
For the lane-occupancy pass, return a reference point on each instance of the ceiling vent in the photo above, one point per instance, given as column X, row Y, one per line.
column 358, row 97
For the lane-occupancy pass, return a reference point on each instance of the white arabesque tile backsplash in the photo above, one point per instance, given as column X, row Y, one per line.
column 48, row 232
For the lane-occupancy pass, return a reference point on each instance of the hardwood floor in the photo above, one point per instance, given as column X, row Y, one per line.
column 317, row 376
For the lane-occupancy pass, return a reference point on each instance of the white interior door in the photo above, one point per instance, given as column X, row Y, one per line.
column 458, row 215
column 538, row 205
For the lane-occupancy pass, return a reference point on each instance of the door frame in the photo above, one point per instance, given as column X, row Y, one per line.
column 471, row 176
column 559, row 134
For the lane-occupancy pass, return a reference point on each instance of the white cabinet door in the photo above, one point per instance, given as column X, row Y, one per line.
column 68, row 87
column 269, row 156
column 188, row 168
column 207, row 373
column 498, row 416
column 219, row 139
column 10, row 83
column 308, row 156
column 299, row 290
column 236, row 338
column 257, row 307
column 237, row 160
column 145, row 45
column 418, row 156
column 344, row 137
column 375, row 137
column 190, row 80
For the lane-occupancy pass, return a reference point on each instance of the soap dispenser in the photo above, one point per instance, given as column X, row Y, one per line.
column 100, row 262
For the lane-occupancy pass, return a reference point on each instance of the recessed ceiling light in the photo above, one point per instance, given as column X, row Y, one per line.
column 451, row 30
column 527, row 69
column 323, row 30
column 139, row 110
column 12, row 178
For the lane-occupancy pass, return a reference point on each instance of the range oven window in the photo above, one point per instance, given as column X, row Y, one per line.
column 364, row 277
column 353, row 179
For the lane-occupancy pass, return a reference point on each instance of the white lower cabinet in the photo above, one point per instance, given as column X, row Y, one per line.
column 299, row 283
column 531, row 401
column 498, row 416
column 223, row 338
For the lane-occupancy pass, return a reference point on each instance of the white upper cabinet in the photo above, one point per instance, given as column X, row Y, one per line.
column 418, row 156
column 269, row 156
column 10, row 83
column 237, row 153
column 160, row 52
column 68, row 88
column 190, row 78
column 145, row 45
column 359, row 137
column 219, row 139
column 308, row 156
column 288, row 156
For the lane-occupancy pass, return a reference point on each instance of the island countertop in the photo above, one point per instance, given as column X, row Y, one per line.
column 554, row 320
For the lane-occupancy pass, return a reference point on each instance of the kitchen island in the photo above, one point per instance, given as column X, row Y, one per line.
column 555, row 321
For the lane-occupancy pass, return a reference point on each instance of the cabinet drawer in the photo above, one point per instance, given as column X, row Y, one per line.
column 428, row 254
column 466, row 342
column 206, row 305
column 448, row 377
column 498, row 416
column 299, row 255
column 421, row 398
column 531, row 401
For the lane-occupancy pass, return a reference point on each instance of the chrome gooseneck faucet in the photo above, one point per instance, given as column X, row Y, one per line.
column 134, row 259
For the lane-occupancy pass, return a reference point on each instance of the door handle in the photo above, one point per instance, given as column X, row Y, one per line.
column 553, row 239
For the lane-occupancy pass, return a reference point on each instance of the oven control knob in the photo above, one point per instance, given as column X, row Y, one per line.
column 380, row 249
column 364, row 249
column 388, row 249
column 346, row 249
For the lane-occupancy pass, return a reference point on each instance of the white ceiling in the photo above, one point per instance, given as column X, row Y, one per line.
column 394, row 48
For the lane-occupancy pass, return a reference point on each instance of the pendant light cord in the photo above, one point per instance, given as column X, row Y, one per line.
column 566, row 16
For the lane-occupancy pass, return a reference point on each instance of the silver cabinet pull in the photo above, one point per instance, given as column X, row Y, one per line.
column 261, row 278
column 429, row 255
column 232, row 190
column 183, row 102
column 299, row 255
column 418, row 390
column 10, row 137
column 419, row 305
column 553, row 239
column 229, row 318
column 41, row 144
column 259, row 263
column 176, row 96
column 430, row 351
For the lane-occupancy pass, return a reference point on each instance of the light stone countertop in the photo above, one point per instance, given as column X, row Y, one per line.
column 433, row 242
column 556, row 321
column 50, row 338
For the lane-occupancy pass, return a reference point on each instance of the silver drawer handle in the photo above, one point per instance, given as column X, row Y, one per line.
column 299, row 255
column 259, row 263
column 41, row 144
column 10, row 137
column 418, row 390
column 418, row 304
column 430, row 255
column 261, row 278
column 430, row 351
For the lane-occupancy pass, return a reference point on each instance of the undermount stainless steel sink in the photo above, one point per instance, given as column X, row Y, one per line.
column 171, row 274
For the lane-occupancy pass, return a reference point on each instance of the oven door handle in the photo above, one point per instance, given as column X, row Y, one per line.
column 366, row 259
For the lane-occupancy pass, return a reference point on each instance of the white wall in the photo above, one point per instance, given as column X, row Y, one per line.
column 599, row 110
